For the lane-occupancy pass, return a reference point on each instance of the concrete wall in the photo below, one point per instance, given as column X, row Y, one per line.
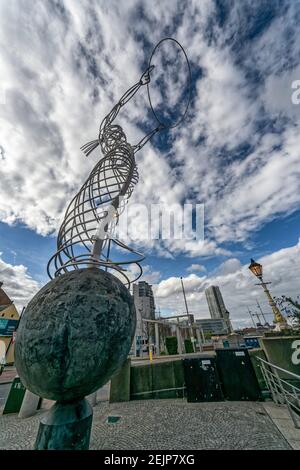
column 253, row 353
column 153, row 377
column 120, row 384
column 283, row 352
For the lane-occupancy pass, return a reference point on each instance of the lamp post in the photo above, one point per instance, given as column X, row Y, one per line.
column 279, row 320
column 189, row 317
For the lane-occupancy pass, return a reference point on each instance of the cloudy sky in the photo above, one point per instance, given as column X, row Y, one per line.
column 64, row 64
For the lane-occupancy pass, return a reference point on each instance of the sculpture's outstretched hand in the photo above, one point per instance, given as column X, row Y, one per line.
column 145, row 78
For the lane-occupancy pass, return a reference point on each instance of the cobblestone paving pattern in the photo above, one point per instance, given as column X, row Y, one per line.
column 164, row 424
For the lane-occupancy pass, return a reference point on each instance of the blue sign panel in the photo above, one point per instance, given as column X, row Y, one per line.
column 251, row 342
column 7, row 327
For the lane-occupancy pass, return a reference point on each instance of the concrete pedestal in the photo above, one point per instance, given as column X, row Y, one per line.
column 92, row 399
column 29, row 405
column 66, row 426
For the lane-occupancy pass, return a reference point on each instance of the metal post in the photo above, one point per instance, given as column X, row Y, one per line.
column 249, row 311
column 202, row 335
column 258, row 318
column 278, row 317
column 284, row 399
column 150, row 352
column 192, row 337
column 156, row 326
column 277, row 387
column 186, row 306
column 179, row 339
column 269, row 382
column 199, row 338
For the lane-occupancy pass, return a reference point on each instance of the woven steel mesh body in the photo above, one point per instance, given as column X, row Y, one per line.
column 85, row 237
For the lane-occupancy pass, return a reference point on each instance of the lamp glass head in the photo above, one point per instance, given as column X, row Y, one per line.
column 256, row 269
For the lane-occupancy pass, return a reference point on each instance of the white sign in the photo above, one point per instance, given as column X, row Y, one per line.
column 296, row 353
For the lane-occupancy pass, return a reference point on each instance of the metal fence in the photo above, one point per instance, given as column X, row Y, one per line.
column 284, row 391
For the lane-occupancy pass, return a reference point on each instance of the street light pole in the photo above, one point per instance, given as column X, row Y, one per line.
column 279, row 319
column 189, row 318
column 186, row 306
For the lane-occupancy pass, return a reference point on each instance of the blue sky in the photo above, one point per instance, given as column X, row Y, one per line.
column 237, row 153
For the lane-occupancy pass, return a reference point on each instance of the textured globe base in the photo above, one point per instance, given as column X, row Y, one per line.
column 74, row 335
column 66, row 426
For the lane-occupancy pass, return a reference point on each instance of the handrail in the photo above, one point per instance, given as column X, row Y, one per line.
column 277, row 386
column 279, row 368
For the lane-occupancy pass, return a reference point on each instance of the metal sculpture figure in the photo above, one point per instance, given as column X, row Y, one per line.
column 104, row 194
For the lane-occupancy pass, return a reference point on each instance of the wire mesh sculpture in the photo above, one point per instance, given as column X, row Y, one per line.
column 86, row 236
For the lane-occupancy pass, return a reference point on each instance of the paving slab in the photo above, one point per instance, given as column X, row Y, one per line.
column 295, row 444
column 164, row 425
column 282, row 419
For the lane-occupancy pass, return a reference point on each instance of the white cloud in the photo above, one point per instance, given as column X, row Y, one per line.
column 148, row 274
column 64, row 67
column 196, row 267
column 237, row 285
column 17, row 283
column 229, row 266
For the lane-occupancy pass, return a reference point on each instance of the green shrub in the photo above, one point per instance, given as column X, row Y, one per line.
column 188, row 346
column 208, row 335
column 172, row 345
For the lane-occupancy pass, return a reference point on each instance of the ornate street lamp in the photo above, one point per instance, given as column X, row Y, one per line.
column 256, row 269
column 279, row 319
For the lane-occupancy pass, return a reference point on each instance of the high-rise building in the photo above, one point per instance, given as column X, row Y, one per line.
column 215, row 302
column 216, row 305
column 145, row 309
column 144, row 299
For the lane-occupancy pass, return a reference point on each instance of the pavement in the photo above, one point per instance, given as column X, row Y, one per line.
column 4, row 390
column 164, row 424
column 8, row 375
column 281, row 417
column 6, row 379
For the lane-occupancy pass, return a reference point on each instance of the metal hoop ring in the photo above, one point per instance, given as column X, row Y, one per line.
column 188, row 89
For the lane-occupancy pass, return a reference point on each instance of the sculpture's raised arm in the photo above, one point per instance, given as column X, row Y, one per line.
column 111, row 116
